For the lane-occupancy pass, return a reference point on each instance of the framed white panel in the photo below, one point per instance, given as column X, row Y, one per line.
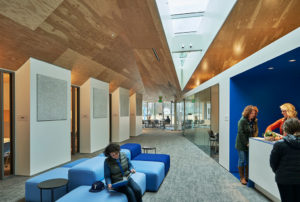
column 100, row 97
column 124, row 104
column 51, row 98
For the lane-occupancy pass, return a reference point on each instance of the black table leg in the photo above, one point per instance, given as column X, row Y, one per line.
column 52, row 197
column 41, row 195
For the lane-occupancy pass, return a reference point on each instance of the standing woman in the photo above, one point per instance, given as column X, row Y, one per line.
column 247, row 127
column 285, row 162
column 288, row 111
column 116, row 166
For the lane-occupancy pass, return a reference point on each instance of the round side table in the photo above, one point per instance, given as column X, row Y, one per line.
column 146, row 149
column 52, row 184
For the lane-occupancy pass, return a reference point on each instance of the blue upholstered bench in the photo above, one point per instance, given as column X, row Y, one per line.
column 87, row 172
column 126, row 151
column 32, row 192
column 164, row 158
column 135, row 149
column 74, row 163
column 82, row 193
column 136, row 154
column 154, row 171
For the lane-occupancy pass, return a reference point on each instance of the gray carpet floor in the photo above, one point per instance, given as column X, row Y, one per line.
column 193, row 175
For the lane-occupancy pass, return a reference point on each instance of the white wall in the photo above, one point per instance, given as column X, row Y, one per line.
column 135, row 121
column 48, row 142
column 85, row 115
column 120, row 125
column 22, row 97
column 94, row 132
column 277, row 48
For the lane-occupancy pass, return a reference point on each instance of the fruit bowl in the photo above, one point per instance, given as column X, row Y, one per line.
column 272, row 136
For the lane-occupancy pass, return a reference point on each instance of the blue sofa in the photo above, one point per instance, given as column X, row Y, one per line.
column 136, row 154
column 135, row 149
column 82, row 193
column 154, row 171
column 164, row 158
column 87, row 172
column 74, row 163
column 32, row 192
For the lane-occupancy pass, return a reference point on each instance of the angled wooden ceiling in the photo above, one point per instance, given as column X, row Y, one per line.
column 112, row 40
column 250, row 26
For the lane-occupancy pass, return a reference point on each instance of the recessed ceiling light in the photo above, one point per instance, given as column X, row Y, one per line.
column 292, row 60
column 270, row 68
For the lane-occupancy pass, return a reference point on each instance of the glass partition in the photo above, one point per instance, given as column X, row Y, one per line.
column 201, row 125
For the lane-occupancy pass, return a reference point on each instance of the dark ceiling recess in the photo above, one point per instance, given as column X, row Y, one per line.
column 155, row 53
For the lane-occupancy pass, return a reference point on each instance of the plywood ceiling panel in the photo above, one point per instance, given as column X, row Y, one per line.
column 112, row 40
column 29, row 13
column 250, row 26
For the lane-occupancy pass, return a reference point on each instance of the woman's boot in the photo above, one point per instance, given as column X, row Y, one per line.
column 246, row 172
column 242, row 178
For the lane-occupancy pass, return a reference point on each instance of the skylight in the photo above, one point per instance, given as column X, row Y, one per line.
column 186, row 25
column 186, row 6
column 190, row 26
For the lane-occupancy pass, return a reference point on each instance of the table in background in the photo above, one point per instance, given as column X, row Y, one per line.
column 146, row 149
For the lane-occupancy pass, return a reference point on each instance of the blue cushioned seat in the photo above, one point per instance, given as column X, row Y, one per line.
column 32, row 192
column 155, row 173
column 87, row 172
column 82, row 193
column 74, row 163
column 135, row 149
column 139, row 178
column 164, row 158
column 126, row 151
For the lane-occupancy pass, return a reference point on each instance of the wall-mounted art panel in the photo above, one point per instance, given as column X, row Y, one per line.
column 100, row 97
column 51, row 98
column 139, row 104
column 124, row 104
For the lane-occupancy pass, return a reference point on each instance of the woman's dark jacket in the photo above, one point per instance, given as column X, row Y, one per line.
column 244, row 132
column 285, row 160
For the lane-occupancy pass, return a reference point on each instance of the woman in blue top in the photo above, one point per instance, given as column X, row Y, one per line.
column 117, row 166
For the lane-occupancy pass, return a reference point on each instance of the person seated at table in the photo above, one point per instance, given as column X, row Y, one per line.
column 167, row 120
column 116, row 166
column 288, row 111
column 285, row 161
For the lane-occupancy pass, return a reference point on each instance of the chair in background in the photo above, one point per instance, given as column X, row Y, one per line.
column 212, row 139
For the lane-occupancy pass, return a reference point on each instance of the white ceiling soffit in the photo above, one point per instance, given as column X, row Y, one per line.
column 190, row 27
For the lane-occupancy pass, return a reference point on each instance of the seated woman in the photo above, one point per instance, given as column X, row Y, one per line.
column 288, row 111
column 117, row 166
column 285, row 161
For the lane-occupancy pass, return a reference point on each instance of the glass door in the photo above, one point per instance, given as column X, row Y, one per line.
column 7, row 133
column 75, row 119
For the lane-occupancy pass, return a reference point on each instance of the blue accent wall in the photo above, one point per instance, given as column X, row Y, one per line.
column 266, row 89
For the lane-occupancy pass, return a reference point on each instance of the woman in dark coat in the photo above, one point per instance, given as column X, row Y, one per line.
column 285, row 162
column 247, row 127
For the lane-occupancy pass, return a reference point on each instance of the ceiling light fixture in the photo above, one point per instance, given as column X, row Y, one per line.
column 292, row 60
column 155, row 53
column 270, row 68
